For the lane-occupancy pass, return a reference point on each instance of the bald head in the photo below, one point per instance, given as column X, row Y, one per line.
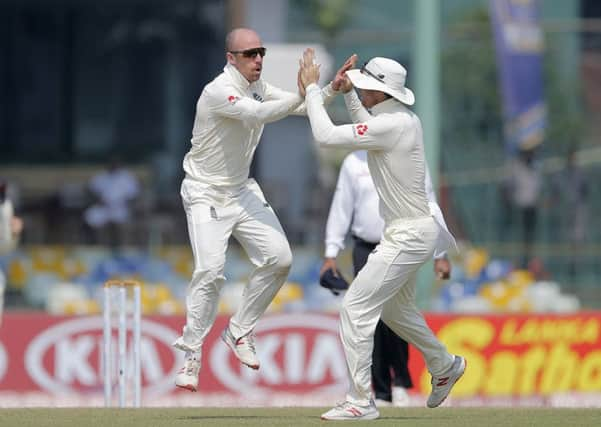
column 241, row 39
column 242, row 52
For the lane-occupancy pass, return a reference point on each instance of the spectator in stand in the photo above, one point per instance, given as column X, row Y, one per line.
column 570, row 194
column 113, row 190
column 10, row 230
column 521, row 195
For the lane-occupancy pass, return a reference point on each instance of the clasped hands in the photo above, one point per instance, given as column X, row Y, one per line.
column 308, row 73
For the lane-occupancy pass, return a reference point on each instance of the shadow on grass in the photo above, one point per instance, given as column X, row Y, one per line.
column 401, row 418
column 242, row 417
column 301, row 417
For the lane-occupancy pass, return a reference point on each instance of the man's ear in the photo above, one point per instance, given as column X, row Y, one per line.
column 230, row 58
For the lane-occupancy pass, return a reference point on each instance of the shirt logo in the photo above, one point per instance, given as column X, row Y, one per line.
column 214, row 213
column 257, row 97
column 361, row 129
column 233, row 99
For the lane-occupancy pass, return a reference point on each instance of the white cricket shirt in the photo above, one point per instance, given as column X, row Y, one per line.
column 230, row 115
column 355, row 205
column 393, row 138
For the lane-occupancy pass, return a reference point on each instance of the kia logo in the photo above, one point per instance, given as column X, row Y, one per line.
column 67, row 357
column 298, row 353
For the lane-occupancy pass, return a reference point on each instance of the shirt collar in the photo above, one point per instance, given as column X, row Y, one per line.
column 388, row 106
column 239, row 79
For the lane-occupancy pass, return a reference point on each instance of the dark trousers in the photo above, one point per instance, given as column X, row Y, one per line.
column 391, row 353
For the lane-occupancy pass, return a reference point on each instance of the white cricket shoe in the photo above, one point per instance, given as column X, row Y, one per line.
column 243, row 348
column 442, row 385
column 400, row 397
column 347, row 411
column 187, row 377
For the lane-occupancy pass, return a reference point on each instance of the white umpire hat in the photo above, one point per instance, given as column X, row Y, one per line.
column 384, row 75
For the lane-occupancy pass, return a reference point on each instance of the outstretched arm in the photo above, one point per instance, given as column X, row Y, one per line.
column 226, row 101
column 345, row 136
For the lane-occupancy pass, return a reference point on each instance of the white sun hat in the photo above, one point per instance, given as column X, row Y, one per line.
column 384, row 75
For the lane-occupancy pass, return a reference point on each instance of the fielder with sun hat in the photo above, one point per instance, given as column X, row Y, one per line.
column 385, row 288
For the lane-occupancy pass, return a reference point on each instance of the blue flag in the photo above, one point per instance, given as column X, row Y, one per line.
column 519, row 47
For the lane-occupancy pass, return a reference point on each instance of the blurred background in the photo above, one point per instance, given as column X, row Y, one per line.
column 97, row 101
column 511, row 119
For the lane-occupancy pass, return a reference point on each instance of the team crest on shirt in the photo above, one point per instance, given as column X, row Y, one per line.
column 257, row 97
column 233, row 99
column 360, row 130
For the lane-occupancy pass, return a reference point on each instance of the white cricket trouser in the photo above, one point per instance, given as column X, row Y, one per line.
column 385, row 287
column 212, row 217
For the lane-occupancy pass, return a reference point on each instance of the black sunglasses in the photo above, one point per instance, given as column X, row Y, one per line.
column 379, row 77
column 251, row 53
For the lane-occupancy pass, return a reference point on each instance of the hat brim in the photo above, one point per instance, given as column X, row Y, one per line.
column 363, row 81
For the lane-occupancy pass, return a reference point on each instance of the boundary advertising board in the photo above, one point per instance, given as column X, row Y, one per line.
column 549, row 360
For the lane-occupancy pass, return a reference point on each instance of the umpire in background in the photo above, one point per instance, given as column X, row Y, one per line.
column 355, row 207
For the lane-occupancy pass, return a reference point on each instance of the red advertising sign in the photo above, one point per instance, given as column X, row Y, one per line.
column 48, row 360
column 522, row 355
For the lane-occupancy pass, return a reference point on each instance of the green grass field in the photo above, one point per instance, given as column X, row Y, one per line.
column 265, row 417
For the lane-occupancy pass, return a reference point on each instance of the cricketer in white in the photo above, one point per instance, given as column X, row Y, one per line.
column 220, row 201
column 385, row 287
column 355, row 206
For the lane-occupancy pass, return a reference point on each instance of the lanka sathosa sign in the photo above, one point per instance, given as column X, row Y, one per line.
column 512, row 359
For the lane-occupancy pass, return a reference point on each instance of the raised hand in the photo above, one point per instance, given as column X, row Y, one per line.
column 309, row 56
column 309, row 71
column 341, row 81
column 301, row 88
